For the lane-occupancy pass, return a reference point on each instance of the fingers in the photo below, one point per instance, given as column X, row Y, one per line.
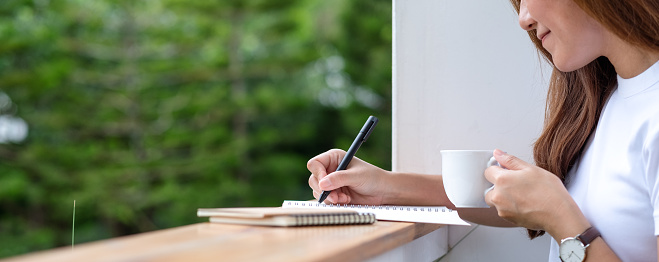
column 335, row 197
column 320, row 166
column 334, row 182
column 340, row 179
column 509, row 161
column 507, row 178
column 508, row 164
column 313, row 183
column 342, row 198
column 493, row 197
column 327, row 160
column 323, row 177
column 493, row 173
column 316, row 194
column 499, row 175
column 488, row 197
column 317, row 168
column 345, row 184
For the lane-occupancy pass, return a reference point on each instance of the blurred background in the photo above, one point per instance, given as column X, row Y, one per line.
column 144, row 111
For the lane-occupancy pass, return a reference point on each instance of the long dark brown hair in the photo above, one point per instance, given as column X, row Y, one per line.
column 576, row 98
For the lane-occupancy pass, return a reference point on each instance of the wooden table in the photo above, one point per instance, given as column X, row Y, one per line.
column 222, row 242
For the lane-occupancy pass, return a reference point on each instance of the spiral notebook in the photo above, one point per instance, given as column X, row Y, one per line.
column 277, row 216
column 421, row 214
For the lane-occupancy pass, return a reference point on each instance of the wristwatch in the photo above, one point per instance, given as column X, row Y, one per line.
column 573, row 249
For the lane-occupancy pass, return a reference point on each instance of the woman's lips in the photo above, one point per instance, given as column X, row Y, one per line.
column 543, row 36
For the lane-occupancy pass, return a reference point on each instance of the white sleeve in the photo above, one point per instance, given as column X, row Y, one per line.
column 651, row 161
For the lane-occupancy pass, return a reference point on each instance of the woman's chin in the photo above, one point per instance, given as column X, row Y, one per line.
column 569, row 65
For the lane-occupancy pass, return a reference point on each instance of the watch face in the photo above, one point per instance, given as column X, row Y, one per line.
column 572, row 250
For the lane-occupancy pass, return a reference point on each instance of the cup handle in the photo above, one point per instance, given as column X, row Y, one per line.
column 488, row 190
column 492, row 162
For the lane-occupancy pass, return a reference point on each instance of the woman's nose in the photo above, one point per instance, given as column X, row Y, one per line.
column 526, row 22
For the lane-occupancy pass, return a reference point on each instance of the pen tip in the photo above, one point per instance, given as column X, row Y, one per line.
column 323, row 196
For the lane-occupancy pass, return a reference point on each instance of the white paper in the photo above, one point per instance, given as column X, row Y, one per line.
column 420, row 214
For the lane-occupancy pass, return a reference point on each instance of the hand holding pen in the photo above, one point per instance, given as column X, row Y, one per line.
column 363, row 134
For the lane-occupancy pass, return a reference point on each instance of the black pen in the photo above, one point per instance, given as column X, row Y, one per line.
column 361, row 137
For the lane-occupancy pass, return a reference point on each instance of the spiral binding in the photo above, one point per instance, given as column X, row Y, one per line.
column 334, row 219
column 374, row 207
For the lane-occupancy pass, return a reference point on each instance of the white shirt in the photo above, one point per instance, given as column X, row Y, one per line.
column 616, row 180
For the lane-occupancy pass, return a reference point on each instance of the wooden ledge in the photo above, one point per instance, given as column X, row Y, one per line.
column 221, row 242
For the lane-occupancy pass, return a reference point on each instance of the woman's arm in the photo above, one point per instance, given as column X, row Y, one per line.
column 534, row 198
column 366, row 184
column 428, row 190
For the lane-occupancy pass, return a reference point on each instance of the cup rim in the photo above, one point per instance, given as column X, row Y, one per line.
column 466, row 151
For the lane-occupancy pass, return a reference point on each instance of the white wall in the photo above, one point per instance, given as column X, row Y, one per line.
column 466, row 77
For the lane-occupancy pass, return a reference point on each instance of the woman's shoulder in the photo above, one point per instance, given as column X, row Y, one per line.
column 650, row 131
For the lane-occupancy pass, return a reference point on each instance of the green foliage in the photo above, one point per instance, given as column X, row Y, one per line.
column 144, row 111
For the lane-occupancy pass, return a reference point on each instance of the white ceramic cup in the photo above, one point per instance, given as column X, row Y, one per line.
column 463, row 176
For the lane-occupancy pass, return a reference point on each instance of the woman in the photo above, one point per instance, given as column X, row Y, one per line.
column 597, row 157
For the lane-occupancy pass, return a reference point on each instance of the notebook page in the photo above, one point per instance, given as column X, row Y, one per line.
column 421, row 214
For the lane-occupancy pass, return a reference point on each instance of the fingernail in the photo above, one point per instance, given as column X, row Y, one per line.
column 325, row 183
column 499, row 153
column 330, row 198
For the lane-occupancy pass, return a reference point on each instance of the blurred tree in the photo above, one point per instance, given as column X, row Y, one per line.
column 143, row 111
